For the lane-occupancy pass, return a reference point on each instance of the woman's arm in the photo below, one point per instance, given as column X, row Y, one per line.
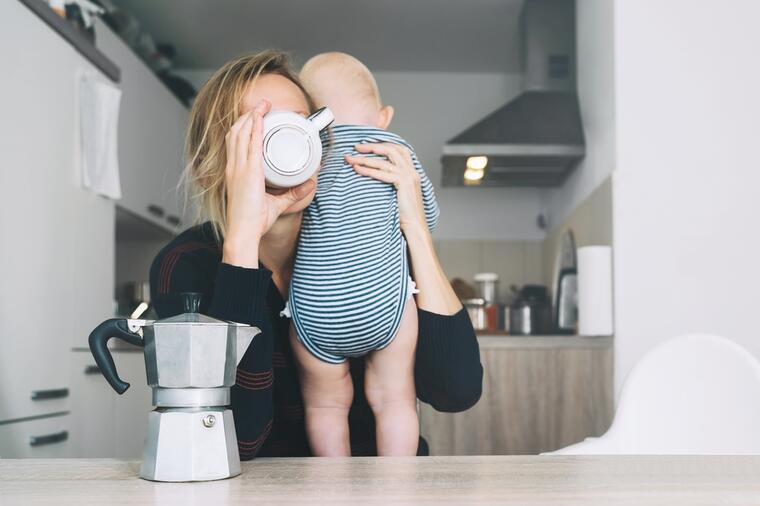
column 251, row 211
column 448, row 373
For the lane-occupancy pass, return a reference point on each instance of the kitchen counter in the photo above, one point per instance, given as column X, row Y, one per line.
column 486, row 340
column 536, row 480
column 495, row 340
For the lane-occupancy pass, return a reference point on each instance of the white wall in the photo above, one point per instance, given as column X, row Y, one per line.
column 595, row 60
column 432, row 107
column 686, row 204
column 196, row 77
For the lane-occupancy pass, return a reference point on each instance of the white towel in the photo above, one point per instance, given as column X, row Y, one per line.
column 99, row 123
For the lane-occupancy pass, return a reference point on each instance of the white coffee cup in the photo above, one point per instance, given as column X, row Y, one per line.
column 292, row 147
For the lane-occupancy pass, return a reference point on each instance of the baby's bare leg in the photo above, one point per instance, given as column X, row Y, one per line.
column 327, row 395
column 389, row 386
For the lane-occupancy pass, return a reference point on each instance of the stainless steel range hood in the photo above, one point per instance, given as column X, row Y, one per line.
column 536, row 139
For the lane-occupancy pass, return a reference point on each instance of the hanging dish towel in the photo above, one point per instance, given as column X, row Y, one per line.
column 99, row 122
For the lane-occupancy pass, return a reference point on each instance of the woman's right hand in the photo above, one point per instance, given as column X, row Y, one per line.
column 251, row 211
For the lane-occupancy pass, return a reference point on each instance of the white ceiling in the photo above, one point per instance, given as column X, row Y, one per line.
column 388, row 35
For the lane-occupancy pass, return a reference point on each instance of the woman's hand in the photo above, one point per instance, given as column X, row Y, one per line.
column 397, row 169
column 436, row 294
column 251, row 211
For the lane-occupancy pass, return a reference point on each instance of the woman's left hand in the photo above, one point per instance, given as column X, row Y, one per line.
column 398, row 169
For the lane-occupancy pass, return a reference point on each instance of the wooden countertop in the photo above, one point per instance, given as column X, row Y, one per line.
column 524, row 480
column 491, row 341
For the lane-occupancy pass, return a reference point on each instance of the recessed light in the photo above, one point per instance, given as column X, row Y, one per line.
column 477, row 163
column 473, row 176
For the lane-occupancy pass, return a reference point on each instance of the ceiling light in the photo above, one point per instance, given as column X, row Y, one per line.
column 477, row 163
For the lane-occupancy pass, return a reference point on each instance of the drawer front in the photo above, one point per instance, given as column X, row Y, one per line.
column 33, row 364
column 29, row 397
column 41, row 438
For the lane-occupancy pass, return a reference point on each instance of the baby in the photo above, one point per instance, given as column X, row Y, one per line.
column 351, row 293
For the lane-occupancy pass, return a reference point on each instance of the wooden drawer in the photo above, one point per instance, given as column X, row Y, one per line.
column 41, row 438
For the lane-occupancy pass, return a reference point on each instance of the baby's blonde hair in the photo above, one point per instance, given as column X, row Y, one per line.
column 215, row 110
column 357, row 74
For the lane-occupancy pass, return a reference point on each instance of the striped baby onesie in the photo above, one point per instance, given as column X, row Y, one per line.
column 351, row 277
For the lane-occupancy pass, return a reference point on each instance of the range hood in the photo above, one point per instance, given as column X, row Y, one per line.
column 536, row 139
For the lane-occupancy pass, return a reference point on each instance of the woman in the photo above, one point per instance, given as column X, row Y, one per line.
column 241, row 260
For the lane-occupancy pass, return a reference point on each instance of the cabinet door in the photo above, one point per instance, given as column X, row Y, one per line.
column 178, row 215
column 106, row 424
column 41, row 439
column 132, row 408
column 152, row 124
column 92, row 409
column 534, row 400
column 57, row 255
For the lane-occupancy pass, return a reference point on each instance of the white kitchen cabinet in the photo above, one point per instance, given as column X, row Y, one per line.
column 41, row 438
column 104, row 423
column 92, row 404
column 58, row 249
column 131, row 412
column 152, row 126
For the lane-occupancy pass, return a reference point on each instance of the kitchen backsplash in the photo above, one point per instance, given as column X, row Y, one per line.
column 529, row 262
column 516, row 262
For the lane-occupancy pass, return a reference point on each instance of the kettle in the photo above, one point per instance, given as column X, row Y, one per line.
column 292, row 146
column 190, row 363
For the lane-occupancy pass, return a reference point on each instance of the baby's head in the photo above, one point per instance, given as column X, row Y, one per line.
column 345, row 85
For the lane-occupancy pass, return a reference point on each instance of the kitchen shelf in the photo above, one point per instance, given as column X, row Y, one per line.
column 73, row 37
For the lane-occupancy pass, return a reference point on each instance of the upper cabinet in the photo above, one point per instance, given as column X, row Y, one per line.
column 152, row 125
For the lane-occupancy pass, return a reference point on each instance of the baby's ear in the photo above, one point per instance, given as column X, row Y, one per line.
column 385, row 117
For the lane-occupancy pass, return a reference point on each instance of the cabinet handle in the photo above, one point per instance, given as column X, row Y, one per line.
column 156, row 211
column 92, row 369
column 173, row 220
column 49, row 439
column 54, row 393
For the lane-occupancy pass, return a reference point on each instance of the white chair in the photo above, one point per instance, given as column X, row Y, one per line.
column 694, row 394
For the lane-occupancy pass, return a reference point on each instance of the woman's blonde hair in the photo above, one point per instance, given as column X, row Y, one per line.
column 215, row 110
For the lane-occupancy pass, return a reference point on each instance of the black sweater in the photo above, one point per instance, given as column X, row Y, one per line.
column 266, row 399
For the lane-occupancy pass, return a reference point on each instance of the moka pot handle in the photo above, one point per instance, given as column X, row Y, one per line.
column 119, row 328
